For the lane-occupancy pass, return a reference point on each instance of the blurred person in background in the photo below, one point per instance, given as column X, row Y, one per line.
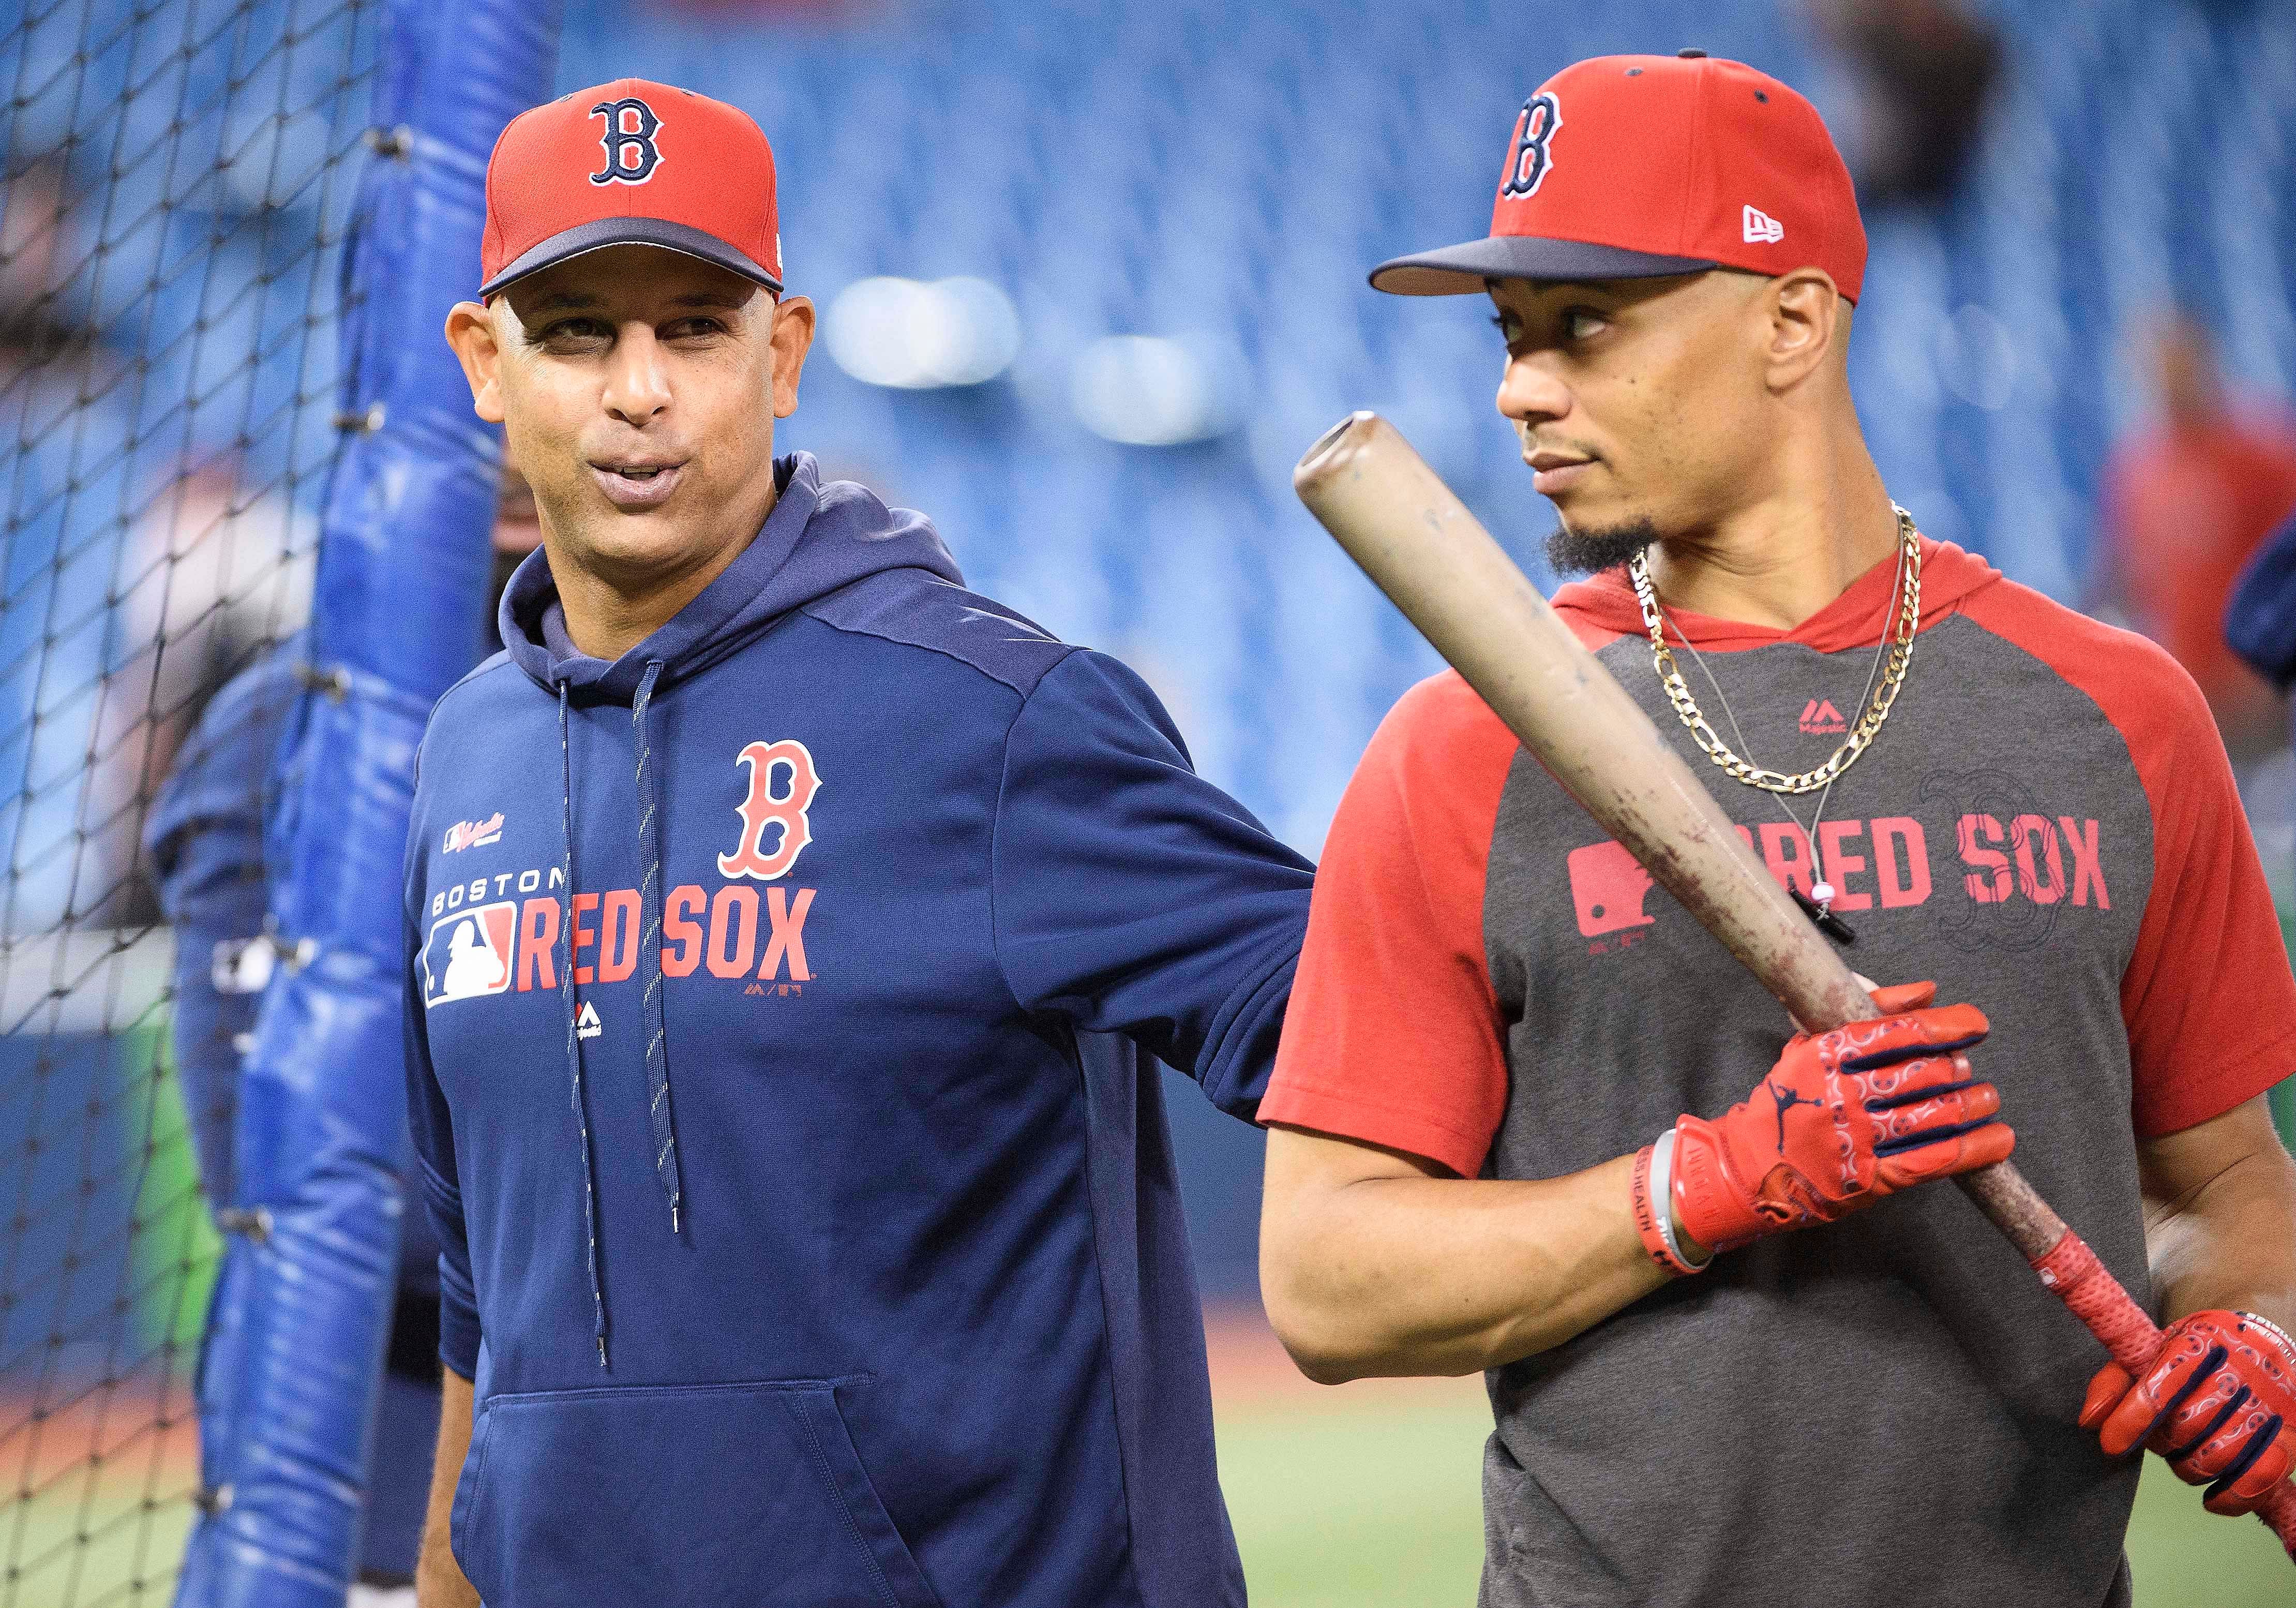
column 517, row 532
column 1921, row 72
column 2260, row 621
column 210, row 574
column 223, row 806
column 66, row 813
column 2261, row 627
column 31, row 276
column 2187, row 502
column 135, row 591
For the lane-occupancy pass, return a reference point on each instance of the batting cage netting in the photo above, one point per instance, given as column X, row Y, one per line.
column 228, row 228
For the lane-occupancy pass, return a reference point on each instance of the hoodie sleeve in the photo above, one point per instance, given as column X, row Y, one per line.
column 433, row 1127
column 1130, row 895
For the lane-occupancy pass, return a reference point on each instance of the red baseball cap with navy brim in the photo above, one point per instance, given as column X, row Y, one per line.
column 1633, row 167
column 631, row 162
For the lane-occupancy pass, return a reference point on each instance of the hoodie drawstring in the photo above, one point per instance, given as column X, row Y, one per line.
column 657, row 1047
column 573, row 1044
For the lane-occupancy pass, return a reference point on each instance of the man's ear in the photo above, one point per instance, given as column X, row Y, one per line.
column 470, row 332
column 792, row 339
column 1807, row 322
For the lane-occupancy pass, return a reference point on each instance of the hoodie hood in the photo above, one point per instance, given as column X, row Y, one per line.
column 818, row 539
column 1606, row 602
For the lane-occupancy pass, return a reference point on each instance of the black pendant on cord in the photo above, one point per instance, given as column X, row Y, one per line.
column 1826, row 921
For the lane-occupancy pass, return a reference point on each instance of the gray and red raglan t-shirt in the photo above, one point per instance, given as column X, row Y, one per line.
column 1882, row 1410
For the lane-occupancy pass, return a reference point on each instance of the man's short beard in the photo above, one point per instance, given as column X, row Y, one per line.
column 1591, row 551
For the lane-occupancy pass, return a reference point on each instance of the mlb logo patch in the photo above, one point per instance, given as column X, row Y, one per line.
column 468, row 953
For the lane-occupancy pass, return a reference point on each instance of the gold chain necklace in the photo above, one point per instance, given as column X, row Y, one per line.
column 1869, row 723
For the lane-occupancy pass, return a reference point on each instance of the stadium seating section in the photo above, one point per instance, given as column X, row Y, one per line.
column 1227, row 170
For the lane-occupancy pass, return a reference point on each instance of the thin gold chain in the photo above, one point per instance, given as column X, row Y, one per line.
column 1869, row 723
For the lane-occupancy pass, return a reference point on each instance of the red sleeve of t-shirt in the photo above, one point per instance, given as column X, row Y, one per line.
column 1392, row 1036
column 2207, row 998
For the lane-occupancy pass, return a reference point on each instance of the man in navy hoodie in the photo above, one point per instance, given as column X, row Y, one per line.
column 786, row 927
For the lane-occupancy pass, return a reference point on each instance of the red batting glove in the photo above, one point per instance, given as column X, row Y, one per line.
column 2212, row 1402
column 1844, row 1118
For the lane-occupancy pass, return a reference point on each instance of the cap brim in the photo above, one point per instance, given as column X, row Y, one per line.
column 601, row 233
column 1464, row 269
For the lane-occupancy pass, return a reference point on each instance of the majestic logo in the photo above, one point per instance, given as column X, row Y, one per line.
column 473, row 834
column 468, row 953
column 766, row 809
column 586, row 1024
column 621, row 138
column 1820, row 718
column 1761, row 227
column 1607, row 888
column 1529, row 159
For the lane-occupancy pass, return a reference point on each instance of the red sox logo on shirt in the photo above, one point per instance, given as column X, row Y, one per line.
column 2026, row 865
column 1607, row 886
column 483, row 941
column 767, row 811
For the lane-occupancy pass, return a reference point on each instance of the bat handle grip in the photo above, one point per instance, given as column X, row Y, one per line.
column 2073, row 1273
column 2084, row 1284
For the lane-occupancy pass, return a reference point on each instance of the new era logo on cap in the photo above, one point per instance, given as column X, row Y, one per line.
column 1760, row 226
column 631, row 163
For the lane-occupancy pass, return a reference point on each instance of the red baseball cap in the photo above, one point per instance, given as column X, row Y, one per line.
column 1630, row 167
column 631, row 162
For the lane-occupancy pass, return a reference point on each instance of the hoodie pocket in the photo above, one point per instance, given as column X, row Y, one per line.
column 676, row 1496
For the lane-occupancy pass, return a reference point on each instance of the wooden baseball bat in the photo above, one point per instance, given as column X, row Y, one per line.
column 1420, row 545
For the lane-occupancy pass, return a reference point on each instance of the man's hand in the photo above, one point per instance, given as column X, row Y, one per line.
column 1844, row 1118
column 2214, row 1403
column 438, row 1579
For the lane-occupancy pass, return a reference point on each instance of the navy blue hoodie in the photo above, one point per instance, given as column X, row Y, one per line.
column 777, row 996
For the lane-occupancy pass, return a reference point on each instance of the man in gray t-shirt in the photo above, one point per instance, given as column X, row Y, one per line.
column 1528, row 1118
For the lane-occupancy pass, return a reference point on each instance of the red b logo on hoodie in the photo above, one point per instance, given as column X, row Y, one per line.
column 764, row 808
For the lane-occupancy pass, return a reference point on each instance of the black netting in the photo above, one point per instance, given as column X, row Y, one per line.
column 176, row 179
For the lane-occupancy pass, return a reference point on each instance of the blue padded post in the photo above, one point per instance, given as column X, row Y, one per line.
column 295, row 1358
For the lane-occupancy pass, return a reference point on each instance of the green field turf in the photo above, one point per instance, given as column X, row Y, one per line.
column 1337, row 1503
column 1379, row 1506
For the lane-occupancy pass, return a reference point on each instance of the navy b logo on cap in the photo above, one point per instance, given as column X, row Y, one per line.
column 619, row 138
column 1527, row 161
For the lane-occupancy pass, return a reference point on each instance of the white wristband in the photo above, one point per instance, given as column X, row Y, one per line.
column 1661, row 1184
